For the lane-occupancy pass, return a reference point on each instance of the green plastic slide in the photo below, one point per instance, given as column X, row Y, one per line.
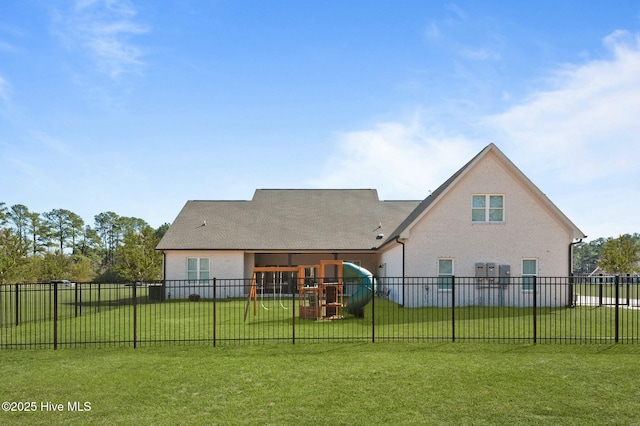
column 366, row 287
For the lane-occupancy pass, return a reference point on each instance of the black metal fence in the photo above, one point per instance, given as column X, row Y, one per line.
column 222, row 312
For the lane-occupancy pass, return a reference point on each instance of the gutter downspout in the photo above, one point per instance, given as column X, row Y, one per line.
column 572, row 302
column 400, row 242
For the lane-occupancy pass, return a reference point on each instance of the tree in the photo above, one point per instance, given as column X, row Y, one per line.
column 137, row 259
column 89, row 242
column 4, row 214
column 162, row 230
column 11, row 256
column 76, row 229
column 55, row 267
column 81, row 268
column 19, row 215
column 131, row 224
column 620, row 256
column 586, row 255
column 26, row 238
column 60, row 221
column 108, row 228
column 39, row 233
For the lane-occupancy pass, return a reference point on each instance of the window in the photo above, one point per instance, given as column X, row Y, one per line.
column 529, row 271
column 197, row 268
column 487, row 208
column 445, row 272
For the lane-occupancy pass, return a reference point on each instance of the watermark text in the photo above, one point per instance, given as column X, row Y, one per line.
column 46, row 406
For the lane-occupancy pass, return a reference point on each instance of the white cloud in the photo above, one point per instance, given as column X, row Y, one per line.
column 104, row 28
column 586, row 127
column 579, row 141
column 400, row 159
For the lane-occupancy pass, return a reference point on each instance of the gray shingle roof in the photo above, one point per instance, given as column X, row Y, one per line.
column 424, row 204
column 288, row 219
column 313, row 219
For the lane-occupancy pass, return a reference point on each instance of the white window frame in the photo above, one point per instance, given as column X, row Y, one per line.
column 487, row 208
column 527, row 277
column 445, row 282
column 202, row 270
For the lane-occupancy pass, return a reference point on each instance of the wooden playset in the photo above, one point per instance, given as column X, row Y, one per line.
column 318, row 299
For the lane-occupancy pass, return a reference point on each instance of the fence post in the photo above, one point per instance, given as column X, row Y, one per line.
column 17, row 304
column 453, row 308
column 617, row 314
column 373, row 310
column 627, row 281
column 293, row 311
column 75, row 304
column 535, row 309
column 135, row 316
column 600, row 291
column 55, row 316
column 214, row 312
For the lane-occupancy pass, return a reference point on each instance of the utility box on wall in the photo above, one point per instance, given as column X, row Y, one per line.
column 491, row 270
column 485, row 270
column 504, row 272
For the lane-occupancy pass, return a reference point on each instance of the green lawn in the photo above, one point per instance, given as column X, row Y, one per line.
column 608, row 290
column 111, row 323
column 338, row 383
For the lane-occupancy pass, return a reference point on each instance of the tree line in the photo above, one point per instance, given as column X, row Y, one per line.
column 40, row 247
column 608, row 256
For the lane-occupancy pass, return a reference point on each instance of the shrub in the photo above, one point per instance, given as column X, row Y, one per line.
column 194, row 297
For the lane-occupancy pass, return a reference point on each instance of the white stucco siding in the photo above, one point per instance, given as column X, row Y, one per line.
column 249, row 262
column 391, row 259
column 530, row 229
column 223, row 265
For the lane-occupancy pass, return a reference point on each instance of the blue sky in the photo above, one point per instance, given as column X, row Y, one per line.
column 138, row 106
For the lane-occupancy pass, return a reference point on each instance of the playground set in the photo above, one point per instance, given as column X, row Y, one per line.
column 320, row 297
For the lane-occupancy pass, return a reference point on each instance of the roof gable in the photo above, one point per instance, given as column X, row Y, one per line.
column 403, row 229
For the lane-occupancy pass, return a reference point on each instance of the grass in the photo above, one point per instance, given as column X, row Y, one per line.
column 35, row 301
column 111, row 323
column 348, row 383
column 608, row 290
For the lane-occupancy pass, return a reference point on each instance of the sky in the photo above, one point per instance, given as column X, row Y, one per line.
column 136, row 106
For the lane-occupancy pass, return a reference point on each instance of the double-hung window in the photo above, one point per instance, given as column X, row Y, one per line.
column 197, row 268
column 487, row 208
column 445, row 274
column 529, row 271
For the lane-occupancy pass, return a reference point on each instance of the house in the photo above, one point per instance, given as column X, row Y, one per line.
column 487, row 215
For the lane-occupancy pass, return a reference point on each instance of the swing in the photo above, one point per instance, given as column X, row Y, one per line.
column 262, row 282
column 253, row 290
column 280, row 291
